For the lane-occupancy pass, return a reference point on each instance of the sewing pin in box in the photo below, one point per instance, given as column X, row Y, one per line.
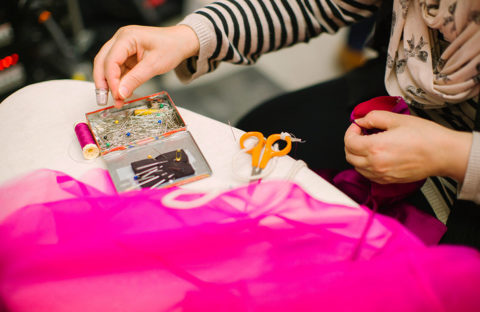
column 145, row 144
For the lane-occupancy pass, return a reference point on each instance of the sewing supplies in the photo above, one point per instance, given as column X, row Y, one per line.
column 133, row 122
column 128, row 139
column 259, row 161
column 162, row 169
column 147, row 111
column 101, row 96
column 87, row 143
column 178, row 155
column 263, row 150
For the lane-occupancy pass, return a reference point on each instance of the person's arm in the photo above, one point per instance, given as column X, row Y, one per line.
column 240, row 31
column 235, row 31
column 408, row 149
column 137, row 53
column 470, row 189
column 411, row 149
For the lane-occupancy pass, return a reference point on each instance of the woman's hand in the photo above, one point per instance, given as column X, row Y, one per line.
column 135, row 54
column 409, row 149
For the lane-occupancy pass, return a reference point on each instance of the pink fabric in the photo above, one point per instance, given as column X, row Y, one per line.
column 263, row 247
column 388, row 198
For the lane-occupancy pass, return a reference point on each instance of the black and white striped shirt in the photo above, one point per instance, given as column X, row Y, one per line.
column 240, row 31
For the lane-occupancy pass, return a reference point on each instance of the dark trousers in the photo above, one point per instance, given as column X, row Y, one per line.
column 320, row 115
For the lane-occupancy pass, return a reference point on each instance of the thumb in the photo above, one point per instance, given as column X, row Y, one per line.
column 381, row 120
column 139, row 74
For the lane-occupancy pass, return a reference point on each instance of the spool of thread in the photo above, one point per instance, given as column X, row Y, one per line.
column 85, row 138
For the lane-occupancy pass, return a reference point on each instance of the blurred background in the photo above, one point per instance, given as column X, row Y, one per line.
column 57, row 39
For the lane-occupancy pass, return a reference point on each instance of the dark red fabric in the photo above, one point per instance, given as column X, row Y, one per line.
column 388, row 198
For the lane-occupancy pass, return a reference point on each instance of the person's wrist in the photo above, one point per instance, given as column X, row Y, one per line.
column 189, row 43
column 456, row 147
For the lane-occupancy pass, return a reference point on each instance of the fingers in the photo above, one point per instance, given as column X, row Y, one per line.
column 139, row 74
column 363, row 166
column 115, row 59
column 126, row 63
column 356, row 160
column 135, row 54
column 378, row 120
column 101, row 85
column 355, row 142
column 98, row 66
column 359, row 144
column 109, row 63
column 356, row 152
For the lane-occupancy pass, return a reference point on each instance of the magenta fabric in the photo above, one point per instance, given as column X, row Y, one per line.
column 264, row 247
column 387, row 198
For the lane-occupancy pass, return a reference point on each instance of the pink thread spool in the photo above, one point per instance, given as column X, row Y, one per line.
column 85, row 138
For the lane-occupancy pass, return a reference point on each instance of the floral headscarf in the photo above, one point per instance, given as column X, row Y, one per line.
column 434, row 52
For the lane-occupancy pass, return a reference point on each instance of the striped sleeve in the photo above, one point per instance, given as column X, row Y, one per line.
column 240, row 31
column 470, row 190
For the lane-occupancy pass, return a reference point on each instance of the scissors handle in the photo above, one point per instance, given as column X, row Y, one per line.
column 269, row 152
column 255, row 151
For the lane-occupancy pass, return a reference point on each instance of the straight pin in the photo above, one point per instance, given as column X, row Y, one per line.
column 152, row 164
column 114, row 124
column 150, row 173
column 157, row 184
column 149, row 180
column 146, row 171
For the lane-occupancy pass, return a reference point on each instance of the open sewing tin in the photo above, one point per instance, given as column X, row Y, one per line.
column 147, row 133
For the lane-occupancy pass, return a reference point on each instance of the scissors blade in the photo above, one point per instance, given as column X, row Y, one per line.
column 255, row 173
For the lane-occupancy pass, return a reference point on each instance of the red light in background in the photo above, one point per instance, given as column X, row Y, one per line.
column 153, row 3
column 8, row 61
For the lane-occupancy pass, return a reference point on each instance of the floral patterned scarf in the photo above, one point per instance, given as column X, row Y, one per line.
column 434, row 52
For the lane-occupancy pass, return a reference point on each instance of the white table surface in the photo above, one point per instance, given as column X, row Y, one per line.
column 37, row 131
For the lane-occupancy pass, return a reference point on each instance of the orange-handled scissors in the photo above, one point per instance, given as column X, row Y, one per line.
column 259, row 161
